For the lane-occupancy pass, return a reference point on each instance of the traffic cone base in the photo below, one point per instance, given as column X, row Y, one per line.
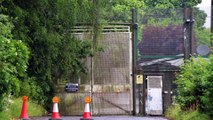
column 86, row 119
column 55, row 119
column 55, row 115
column 86, row 115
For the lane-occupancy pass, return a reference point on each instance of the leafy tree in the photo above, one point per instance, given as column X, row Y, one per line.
column 200, row 17
column 14, row 56
column 55, row 53
column 172, row 11
column 172, row 3
column 120, row 10
column 202, row 33
column 203, row 36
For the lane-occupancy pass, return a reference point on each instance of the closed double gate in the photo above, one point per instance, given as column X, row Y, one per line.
column 108, row 81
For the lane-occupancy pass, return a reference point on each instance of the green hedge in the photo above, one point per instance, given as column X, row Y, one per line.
column 195, row 85
column 14, row 56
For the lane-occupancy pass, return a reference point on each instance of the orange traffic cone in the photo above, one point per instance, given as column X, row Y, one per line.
column 24, row 115
column 86, row 115
column 55, row 114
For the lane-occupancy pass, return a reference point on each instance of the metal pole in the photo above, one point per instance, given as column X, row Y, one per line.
column 188, row 26
column 140, row 93
column 91, row 83
column 134, row 45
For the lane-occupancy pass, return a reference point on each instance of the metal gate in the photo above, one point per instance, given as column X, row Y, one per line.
column 108, row 81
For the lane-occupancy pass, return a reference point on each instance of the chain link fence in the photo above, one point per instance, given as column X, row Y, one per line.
column 160, row 52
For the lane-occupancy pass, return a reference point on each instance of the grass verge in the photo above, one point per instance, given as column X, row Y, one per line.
column 175, row 113
column 13, row 110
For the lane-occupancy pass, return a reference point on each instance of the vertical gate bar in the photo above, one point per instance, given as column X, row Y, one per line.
column 91, row 84
column 144, row 93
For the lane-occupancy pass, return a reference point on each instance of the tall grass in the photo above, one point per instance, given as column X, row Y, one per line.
column 175, row 113
column 14, row 109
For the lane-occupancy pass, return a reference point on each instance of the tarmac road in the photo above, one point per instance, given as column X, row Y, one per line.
column 105, row 118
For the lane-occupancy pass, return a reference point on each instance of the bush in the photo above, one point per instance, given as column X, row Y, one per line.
column 195, row 85
column 14, row 56
column 207, row 98
column 191, row 82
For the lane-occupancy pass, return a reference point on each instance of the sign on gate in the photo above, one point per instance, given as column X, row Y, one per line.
column 71, row 87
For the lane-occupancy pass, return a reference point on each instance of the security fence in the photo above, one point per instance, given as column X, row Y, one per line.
column 164, row 38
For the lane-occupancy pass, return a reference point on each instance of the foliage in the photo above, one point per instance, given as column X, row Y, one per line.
column 195, row 115
column 172, row 3
column 203, row 36
column 162, row 16
column 207, row 98
column 14, row 109
column 31, row 88
column 171, row 12
column 199, row 17
column 195, row 85
column 55, row 53
column 202, row 33
column 14, row 56
column 165, row 9
column 174, row 112
column 190, row 82
column 120, row 10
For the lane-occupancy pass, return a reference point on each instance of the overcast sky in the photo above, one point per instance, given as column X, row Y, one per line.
column 206, row 6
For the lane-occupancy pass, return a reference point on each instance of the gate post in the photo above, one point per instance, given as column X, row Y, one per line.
column 188, row 28
column 134, row 50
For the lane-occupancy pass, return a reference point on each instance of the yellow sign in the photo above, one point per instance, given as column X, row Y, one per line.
column 139, row 79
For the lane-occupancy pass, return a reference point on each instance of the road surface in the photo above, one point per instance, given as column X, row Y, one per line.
column 105, row 118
